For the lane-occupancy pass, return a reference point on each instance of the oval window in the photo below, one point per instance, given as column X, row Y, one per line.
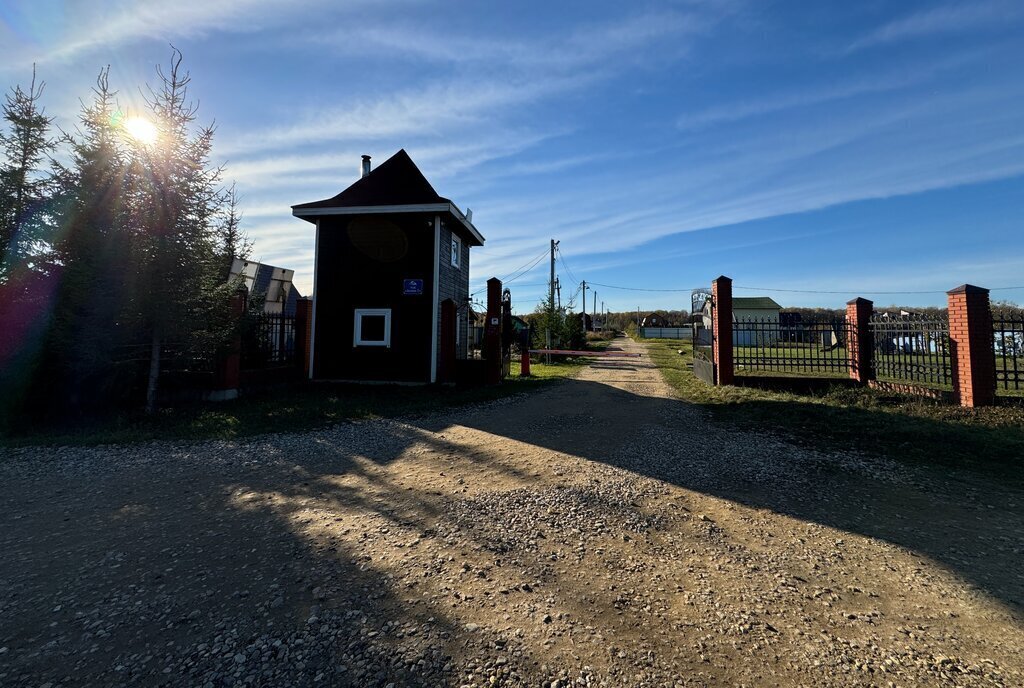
column 378, row 238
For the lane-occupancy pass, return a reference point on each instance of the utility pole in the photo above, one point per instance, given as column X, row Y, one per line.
column 584, row 307
column 594, row 311
column 551, row 298
column 558, row 289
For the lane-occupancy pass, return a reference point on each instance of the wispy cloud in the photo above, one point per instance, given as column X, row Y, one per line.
column 950, row 18
column 551, row 52
column 897, row 78
column 428, row 111
column 77, row 28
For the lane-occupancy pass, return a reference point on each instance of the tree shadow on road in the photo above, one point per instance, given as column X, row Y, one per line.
column 970, row 521
column 217, row 565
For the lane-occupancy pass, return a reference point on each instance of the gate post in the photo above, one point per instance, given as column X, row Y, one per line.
column 228, row 373
column 492, row 332
column 303, row 330
column 972, row 361
column 860, row 347
column 721, row 329
column 446, row 369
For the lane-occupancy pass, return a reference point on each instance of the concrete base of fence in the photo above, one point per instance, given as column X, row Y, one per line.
column 797, row 385
column 913, row 390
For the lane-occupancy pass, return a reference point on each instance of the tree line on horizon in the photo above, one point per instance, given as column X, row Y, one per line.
column 114, row 251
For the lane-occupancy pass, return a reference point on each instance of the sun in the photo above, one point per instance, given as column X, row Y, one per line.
column 141, row 129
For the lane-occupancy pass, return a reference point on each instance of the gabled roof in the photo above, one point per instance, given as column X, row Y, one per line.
column 396, row 181
column 396, row 185
column 754, row 303
column 749, row 303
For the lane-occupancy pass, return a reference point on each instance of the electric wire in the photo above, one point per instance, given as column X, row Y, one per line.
column 793, row 291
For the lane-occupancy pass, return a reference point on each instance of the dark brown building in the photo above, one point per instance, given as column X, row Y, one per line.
column 391, row 278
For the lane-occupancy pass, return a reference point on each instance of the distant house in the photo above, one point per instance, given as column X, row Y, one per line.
column 654, row 320
column 755, row 319
column 391, row 278
column 273, row 285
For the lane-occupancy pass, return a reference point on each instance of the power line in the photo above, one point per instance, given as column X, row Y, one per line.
column 612, row 286
column 566, row 266
column 531, row 263
column 795, row 291
column 858, row 291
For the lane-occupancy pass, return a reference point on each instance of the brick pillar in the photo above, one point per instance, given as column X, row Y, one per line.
column 303, row 333
column 721, row 329
column 492, row 332
column 971, row 346
column 860, row 346
column 228, row 375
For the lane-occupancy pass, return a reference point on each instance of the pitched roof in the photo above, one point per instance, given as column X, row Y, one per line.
column 396, row 184
column 396, row 181
column 754, row 303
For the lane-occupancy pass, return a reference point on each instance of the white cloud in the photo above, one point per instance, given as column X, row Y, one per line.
column 950, row 18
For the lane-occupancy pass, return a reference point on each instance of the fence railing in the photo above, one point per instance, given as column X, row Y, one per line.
column 912, row 348
column 806, row 347
column 268, row 339
column 1008, row 341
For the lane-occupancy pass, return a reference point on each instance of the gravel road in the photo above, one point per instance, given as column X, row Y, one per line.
column 599, row 532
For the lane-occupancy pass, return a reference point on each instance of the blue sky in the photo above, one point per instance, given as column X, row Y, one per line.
column 831, row 146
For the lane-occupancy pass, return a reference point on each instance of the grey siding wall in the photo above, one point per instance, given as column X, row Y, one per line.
column 453, row 283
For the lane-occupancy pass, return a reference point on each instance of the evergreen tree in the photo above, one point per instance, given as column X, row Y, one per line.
column 181, row 257
column 94, row 251
column 24, row 186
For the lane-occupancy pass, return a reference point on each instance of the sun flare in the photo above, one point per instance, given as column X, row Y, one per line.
column 141, row 129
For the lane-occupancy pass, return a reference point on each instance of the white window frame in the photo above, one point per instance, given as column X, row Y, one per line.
column 456, row 257
column 357, row 337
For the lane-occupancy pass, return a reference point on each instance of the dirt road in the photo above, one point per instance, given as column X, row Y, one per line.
column 599, row 532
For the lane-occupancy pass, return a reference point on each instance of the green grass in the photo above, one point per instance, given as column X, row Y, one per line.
column 844, row 417
column 304, row 407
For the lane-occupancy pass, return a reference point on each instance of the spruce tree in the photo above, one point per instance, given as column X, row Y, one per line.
column 93, row 248
column 24, row 185
column 186, row 298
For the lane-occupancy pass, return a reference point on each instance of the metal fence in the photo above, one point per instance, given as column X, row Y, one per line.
column 666, row 332
column 806, row 347
column 912, row 348
column 1008, row 340
column 268, row 339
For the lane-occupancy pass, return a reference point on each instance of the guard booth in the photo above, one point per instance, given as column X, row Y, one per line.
column 390, row 280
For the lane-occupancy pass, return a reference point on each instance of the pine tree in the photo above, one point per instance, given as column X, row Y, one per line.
column 185, row 296
column 94, row 250
column 24, row 186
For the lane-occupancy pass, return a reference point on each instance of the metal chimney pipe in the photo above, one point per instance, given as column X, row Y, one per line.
column 366, row 165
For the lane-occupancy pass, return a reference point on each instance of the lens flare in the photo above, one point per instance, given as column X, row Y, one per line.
column 141, row 129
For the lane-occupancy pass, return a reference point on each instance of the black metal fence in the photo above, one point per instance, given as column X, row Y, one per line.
column 912, row 348
column 1008, row 340
column 810, row 346
column 268, row 339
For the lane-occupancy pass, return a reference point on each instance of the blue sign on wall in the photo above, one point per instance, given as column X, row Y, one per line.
column 412, row 287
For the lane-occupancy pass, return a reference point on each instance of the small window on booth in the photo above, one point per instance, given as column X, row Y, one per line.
column 456, row 251
column 372, row 327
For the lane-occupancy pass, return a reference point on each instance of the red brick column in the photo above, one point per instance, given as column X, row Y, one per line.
column 303, row 333
column 860, row 346
column 721, row 329
column 492, row 332
column 970, row 346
